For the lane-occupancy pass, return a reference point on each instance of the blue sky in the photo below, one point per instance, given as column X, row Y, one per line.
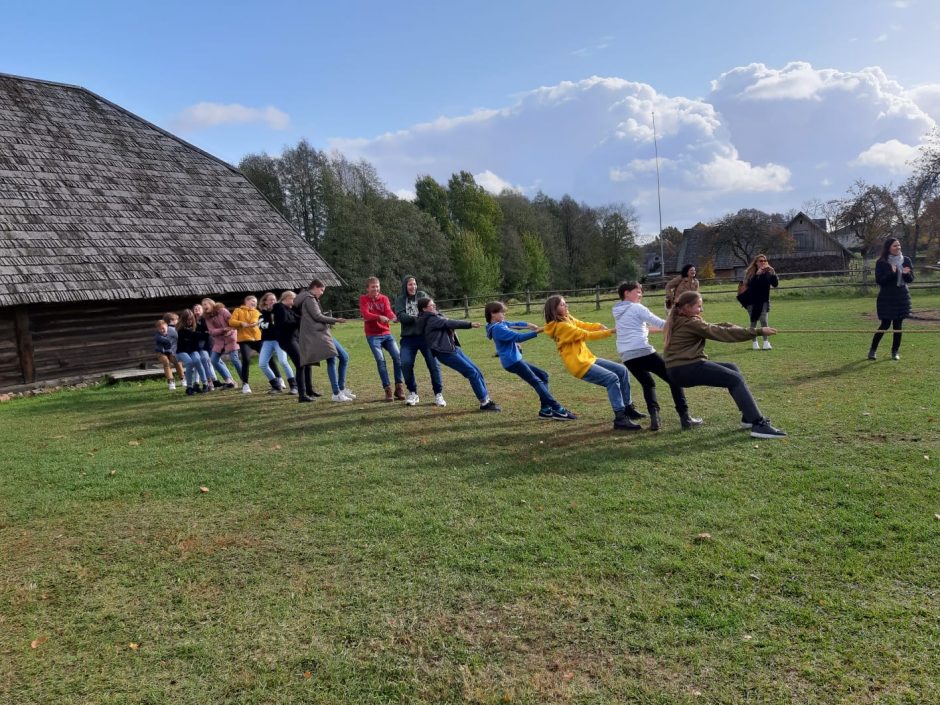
column 761, row 104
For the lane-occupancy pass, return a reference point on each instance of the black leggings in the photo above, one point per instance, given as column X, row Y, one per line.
column 896, row 342
column 244, row 350
column 289, row 345
column 643, row 368
column 718, row 374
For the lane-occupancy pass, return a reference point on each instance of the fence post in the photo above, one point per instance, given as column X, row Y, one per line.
column 865, row 278
column 597, row 297
column 466, row 307
column 528, row 302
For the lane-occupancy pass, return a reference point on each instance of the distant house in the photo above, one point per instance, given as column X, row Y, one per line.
column 107, row 221
column 814, row 249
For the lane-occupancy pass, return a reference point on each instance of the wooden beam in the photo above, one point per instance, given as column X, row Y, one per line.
column 24, row 344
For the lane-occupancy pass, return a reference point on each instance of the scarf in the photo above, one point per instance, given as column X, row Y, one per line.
column 898, row 262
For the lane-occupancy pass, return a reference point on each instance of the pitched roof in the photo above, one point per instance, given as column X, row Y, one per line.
column 99, row 204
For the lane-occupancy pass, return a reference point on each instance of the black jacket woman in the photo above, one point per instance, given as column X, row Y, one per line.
column 893, row 272
column 759, row 278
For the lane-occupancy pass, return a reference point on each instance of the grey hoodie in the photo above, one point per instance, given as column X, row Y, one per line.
column 406, row 308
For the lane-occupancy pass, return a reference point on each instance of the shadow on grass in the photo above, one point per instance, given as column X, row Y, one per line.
column 817, row 375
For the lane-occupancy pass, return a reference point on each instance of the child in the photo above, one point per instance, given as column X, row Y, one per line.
column 685, row 334
column 190, row 342
column 270, row 347
column 203, row 355
column 246, row 321
column 412, row 342
column 570, row 335
column 507, row 341
column 171, row 320
column 224, row 341
column 163, row 346
column 377, row 313
column 441, row 338
column 633, row 321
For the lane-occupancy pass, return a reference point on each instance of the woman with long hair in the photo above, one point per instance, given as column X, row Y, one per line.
column 893, row 272
column 758, row 278
column 677, row 286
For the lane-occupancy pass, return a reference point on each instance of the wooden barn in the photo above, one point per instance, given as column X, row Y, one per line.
column 107, row 221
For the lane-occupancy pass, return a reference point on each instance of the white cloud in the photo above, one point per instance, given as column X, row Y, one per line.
column 927, row 98
column 492, row 183
column 204, row 115
column 881, row 38
column 406, row 194
column 902, row 4
column 725, row 174
column 893, row 155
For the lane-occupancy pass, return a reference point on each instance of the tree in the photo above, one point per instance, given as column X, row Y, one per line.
column 431, row 198
column 476, row 271
column 472, row 208
column 866, row 209
column 619, row 251
column 261, row 170
column 537, row 270
column 748, row 232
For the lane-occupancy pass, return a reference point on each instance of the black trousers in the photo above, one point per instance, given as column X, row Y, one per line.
column 643, row 368
column 290, row 346
column 896, row 325
column 719, row 374
column 244, row 350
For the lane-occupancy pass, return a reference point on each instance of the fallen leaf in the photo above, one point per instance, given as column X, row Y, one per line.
column 133, row 646
column 704, row 536
column 926, row 457
column 113, row 473
column 203, row 489
column 937, row 517
column 567, row 676
column 38, row 641
column 276, row 447
column 307, row 674
column 133, row 443
column 747, row 637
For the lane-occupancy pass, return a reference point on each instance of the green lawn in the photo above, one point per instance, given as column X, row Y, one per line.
column 373, row 553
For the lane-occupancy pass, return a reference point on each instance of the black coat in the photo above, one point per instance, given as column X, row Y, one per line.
column 758, row 287
column 439, row 331
column 894, row 302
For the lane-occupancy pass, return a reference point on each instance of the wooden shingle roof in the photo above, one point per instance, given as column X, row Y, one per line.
column 99, row 204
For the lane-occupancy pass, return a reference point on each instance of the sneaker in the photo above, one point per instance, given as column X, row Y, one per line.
column 281, row 383
column 190, row 391
column 546, row 412
column 274, row 391
column 439, row 400
column 767, row 345
column 490, row 405
column 171, row 386
column 412, row 399
column 763, row 429
column 229, row 385
column 746, row 425
column 246, row 389
column 755, row 345
column 347, row 392
column 872, row 355
column 691, row 422
column 895, row 356
column 562, row 414
column 293, row 390
column 340, row 397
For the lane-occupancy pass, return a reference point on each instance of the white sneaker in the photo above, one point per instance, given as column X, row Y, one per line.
column 767, row 345
column 171, row 386
column 340, row 397
column 756, row 345
column 346, row 392
column 412, row 399
column 281, row 383
column 246, row 389
column 439, row 400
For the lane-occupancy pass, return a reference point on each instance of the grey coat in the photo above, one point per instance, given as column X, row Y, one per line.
column 315, row 338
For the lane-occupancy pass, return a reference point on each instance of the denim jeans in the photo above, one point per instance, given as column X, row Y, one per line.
column 270, row 348
column 410, row 345
column 206, row 360
column 459, row 362
column 536, row 377
column 220, row 366
column 718, row 374
column 337, row 381
column 191, row 365
column 614, row 376
column 387, row 341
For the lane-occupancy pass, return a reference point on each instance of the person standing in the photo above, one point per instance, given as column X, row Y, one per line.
column 893, row 272
column 758, row 278
column 316, row 340
column 686, row 281
column 412, row 342
column 377, row 313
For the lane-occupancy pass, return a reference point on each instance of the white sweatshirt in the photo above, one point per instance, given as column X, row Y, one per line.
column 633, row 321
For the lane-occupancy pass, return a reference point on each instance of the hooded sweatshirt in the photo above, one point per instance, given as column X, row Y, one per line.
column 406, row 308
column 689, row 333
column 241, row 320
column 439, row 331
column 507, row 340
column 570, row 336
column 633, row 321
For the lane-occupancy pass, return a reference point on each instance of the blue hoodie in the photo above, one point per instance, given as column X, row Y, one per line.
column 507, row 340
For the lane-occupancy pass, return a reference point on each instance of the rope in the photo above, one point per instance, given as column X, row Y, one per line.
column 905, row 331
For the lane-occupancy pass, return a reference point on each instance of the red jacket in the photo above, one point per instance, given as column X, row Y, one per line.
column 371, row 309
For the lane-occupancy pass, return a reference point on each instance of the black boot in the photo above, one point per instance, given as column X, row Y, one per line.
column 275, row 387
column 292, row 383
column 689, row 421
column 622, row 423
column 872, row 354
column 634, row 413
column 654, row 420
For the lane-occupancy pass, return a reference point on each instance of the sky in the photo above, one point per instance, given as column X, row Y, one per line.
column 756, row 104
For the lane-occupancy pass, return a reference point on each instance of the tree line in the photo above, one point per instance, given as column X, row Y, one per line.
column 456, row 238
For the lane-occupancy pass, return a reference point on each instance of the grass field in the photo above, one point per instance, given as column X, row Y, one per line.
column 373, row 553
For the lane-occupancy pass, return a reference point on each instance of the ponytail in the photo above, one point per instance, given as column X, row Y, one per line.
column 685, row 298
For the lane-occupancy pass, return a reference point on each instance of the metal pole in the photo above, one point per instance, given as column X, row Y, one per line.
column 659, row 202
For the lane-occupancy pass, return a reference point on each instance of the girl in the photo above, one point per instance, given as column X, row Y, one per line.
column 224, row 340
column 686, row 281
column 570, row 336
column 203, row 356
column 245, row 321
column 412, row 342
column 893, row 272
column 441, row 338
column 286, row 323
column 633, row 321
column 758, row 278
column 190, row 341
column 685, row 334
column 270, row 348
column 317, row 342
column 508, row 341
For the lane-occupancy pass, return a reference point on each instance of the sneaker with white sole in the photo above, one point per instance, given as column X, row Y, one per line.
column 745, row 425
column 412, row 399
column 246, row 389
column 763, row 429
column 439, row 400
column 171, row 386
column 347, row 393
column 755, row 345
column 281, row 383
column 490, row 405
column 562, row 414
column 340, row 397
column 767, row 345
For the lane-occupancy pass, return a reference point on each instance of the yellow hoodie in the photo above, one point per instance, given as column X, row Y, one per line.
column 569, row 336
column 241, row 316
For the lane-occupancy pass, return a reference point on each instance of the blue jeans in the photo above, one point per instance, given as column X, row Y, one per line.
column 614, row 376
column 459, row 362
column 270, row 348
column 206, row 360
column 220, row 366
column 410, row 345
column 387, row 341
column 337, row 381
column 536, row 377
column 192, row 366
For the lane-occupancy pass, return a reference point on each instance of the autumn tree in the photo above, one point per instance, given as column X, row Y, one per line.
column 749, row 231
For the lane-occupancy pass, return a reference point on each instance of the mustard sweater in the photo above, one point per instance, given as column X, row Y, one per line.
column 241, row 317
column 570, row 336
